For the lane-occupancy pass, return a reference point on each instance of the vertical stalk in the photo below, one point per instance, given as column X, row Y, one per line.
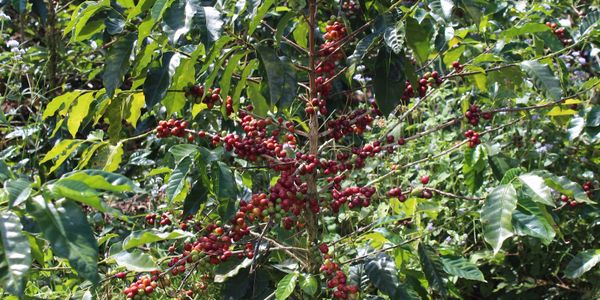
column 52, row 44
column 313, row 134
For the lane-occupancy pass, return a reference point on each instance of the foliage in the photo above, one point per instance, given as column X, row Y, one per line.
column 299, row 149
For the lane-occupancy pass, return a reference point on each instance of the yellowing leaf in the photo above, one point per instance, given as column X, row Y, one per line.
column 136, row 103
column 61, row 102
column 78, row 112
column 114, row 158
column 572, row 101
column 558, row 111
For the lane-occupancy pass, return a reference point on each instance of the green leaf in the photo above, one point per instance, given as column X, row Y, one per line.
column 418, row 38
column 117, row 63
column 232, row 65
column 300, row 33
column 591, row 19
column 511, row 175
column 463, row 268
column 258, row 15
column 230, row 268
column 197, row 196
column 496, row 215
column 592, row 118
column 178, row 178
column 582, row 262
column 16, row 253
column 382, row 273
column 78, row 112
column 159, row 78
column 141, row 237
column 389, row 80
column 433, row 268
column 575, row 127
column 225, row 189
column 135, row 261
column 394, row 37
column 524, row 224
column 537, row 189
column 64, row 225
column 286, row 286
column 182, row 151
column 81, row 16
column 79, row 191
column 102, row 180
column 543, row 79
column 61, row 152
column 567, row 187
column 527, row 28
column 282, row 25
column 309, row 284
column 280, row 76
column 474, row 164
column 208, row 22
column 363, row 47
column 241, row 85
column 261, row 107
column 184, row 75
column 159, row 7
column 18, row 190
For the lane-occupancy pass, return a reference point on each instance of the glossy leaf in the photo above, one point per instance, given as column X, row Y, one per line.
column 18, row 190
column 225, row 189
column 135, row 261
column 582, row 262
column 178, row 178
column 141, row 237
column 159, row 77
column 537, row 188
column 286, row 286
column 16, row 252
column 382, row 273
column 65, row 226
column 389, row 80
column 531, row 225
column 433, row 268
column 280, row 77
column 543, row 79
column 496, row 215
column 418, row 38
column 461, row 267
column 117, row 63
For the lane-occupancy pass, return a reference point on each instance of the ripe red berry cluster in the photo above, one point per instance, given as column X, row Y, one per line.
column 560, row 33
column 428, row 80
column 350, row 7
column 458, row 67
column 228, row 106
column 356, row 122
column 142, row 288
column 164, row 219
column 316, row 105
column 588, row 187
column 196, row 94
column 171, row 128
column 397, row 193
column 473, row 138
column 330, row 50
column 355, row 197
column 337, row 280
column 474, row 113
column 567, row 200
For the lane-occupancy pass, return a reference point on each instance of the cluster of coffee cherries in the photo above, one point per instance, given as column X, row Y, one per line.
column 171, row 127
column 196, row 94
column 567, row 200
column 560, row 33
column 163, row 219
column 474, row 113
column 473, row 137
column 228, row 106
column 355, row 197
column 330, row 51
column 588, row 187
column 356, row 122
column 350, row 7
column 458, row 67
column 428, row 80
column 337, row 280
column 142, row 288
column 396, row 193
column 316, row 105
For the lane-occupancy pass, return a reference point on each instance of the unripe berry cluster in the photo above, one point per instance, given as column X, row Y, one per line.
column 473, row 138
column 350, row 7
column 171, row 128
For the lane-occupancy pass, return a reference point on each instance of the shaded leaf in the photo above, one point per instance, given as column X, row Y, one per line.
column 496, row 215
column 433, row 268
column 582, row 262
column 281, row 77
column 543, row 78
column 117, row 63
column 461, row 267
column 18, row 190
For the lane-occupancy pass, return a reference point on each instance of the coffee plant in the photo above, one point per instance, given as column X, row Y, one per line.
column 319, row 149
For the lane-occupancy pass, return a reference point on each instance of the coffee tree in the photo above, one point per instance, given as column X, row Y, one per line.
column 300, row 149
